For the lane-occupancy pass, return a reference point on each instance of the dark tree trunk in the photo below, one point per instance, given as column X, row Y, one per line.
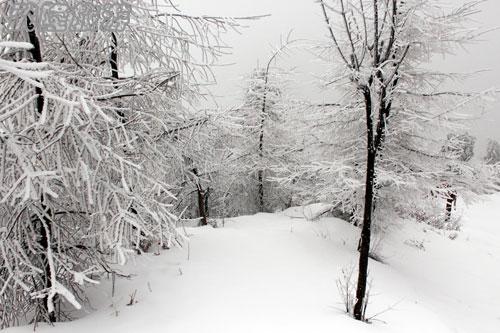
column 114, row 67
column 260, row 174
column 201, row 206
column 44, row 226
column 45, row 230
column 260, row 179
column 114, row 56
column 450, row 202
column 202, row 203
column 449, row 206
column 207, row 196
column 36, row 53
column 364, row 246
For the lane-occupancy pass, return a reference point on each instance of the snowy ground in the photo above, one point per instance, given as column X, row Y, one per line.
column 274, row 273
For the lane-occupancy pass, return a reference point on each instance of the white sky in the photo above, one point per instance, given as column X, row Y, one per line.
column 304, row 17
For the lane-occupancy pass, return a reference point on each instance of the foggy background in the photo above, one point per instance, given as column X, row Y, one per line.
column 255, row 44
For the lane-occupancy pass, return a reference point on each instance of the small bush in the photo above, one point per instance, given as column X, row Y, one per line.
column 346, row 286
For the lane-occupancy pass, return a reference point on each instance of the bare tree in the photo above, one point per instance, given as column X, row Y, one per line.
column 390, row 102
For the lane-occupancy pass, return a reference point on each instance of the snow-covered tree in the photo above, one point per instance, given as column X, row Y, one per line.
column 260, row 114
column 459, row 146
column 262, row 142
column 203, row 155
column 86, row 165
column 492, row 152
column 492, row 160
column 389, row 119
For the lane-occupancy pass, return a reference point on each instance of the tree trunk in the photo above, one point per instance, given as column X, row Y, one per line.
column 364, row 246
column 450, row 202
column 45, row 232
column 365, row 238
column 202, row 205
column 114, row 56
column 260, row 179
column 114, row 68
column 260, row 173
column 207, row 195
column 36, row 53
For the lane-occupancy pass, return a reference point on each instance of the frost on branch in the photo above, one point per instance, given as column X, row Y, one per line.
column 409, row 113
column 87, row 154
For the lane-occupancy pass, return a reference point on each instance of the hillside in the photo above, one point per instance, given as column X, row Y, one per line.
column 273, row 273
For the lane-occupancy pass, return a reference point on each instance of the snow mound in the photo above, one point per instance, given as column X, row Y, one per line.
column 309, row 212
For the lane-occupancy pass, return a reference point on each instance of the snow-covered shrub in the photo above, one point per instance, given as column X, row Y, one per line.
column 459, row 146
column 418, row 244
column 492, row 156
column 492, row 160
column 347, row 288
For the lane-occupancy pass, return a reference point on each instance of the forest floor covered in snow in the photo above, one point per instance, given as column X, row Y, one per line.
column 274, row 273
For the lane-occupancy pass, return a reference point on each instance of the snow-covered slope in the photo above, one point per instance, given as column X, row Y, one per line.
column 273, row 273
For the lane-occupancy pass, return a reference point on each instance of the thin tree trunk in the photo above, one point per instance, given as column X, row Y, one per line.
column 36, row 53
column 207, row 196
column 260, row 173
column 45, row 232
column 114, row 67
column 114, row 56
column 45, row 235
column 364, row 248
